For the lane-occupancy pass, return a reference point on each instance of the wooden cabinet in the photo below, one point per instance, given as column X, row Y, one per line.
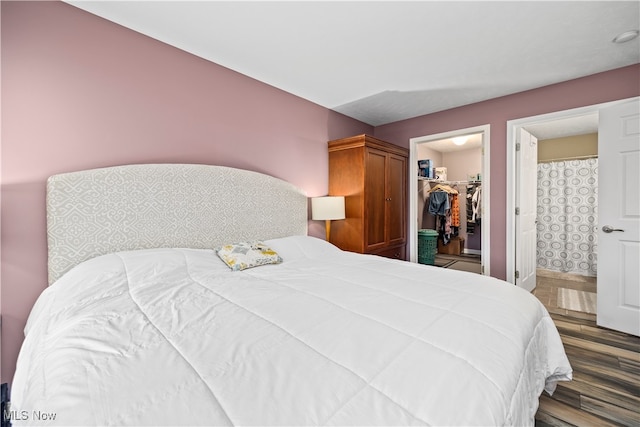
column 372, row 175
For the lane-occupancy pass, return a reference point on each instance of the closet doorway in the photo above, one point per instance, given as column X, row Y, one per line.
column 463, row 167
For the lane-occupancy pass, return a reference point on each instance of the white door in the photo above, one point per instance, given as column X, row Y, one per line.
column 618, row 296
column 526, row 201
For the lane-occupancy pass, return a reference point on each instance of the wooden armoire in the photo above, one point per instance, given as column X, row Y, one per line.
column 372, row 175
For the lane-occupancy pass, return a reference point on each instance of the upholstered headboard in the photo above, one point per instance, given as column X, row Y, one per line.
column 99, row 211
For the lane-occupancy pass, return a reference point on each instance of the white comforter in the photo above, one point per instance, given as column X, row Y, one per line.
column 173, row 337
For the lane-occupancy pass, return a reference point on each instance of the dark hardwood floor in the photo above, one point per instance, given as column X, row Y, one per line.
column 605, row 390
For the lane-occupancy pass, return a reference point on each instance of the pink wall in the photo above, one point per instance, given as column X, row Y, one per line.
column 598, row 88
column 80, row 92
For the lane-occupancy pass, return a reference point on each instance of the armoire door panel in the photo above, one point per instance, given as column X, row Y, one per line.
column 396, row 199
column 375, row 199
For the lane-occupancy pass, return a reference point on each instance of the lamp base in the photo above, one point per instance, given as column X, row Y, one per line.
column 328, row 228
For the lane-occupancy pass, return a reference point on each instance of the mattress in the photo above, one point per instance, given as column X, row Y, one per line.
column 327, row 337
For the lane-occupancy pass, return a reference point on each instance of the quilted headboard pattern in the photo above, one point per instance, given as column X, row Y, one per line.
column 99, row 211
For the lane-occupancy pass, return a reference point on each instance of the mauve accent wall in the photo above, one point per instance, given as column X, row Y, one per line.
column 81, row 92
column 617, row 84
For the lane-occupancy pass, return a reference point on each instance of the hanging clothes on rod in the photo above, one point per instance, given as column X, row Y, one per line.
column 474, row 206
column 443, row 200
column 443, row 187
column 455, row 210
column 476, row 201
column 439, row 202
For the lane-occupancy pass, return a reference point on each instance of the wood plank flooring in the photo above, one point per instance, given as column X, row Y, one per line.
column 463, row 262
column 605, row 390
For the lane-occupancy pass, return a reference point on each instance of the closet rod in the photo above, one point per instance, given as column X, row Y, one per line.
column 440, row 181
column 564, row 159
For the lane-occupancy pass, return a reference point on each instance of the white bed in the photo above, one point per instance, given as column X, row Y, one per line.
column 168, row 334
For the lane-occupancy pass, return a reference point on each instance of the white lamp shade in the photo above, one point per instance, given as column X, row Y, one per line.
column 327, row 207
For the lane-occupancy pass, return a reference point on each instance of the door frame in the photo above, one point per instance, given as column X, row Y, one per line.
column 513, row 128
column 485, row 130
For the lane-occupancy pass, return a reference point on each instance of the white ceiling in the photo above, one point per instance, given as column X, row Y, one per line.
column 447, row 145
column 565, row 127
column 384, row 61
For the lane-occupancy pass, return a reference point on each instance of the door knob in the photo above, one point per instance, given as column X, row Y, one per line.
column 609, row 229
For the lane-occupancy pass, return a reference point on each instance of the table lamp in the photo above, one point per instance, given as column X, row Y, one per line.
column 327, row 208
